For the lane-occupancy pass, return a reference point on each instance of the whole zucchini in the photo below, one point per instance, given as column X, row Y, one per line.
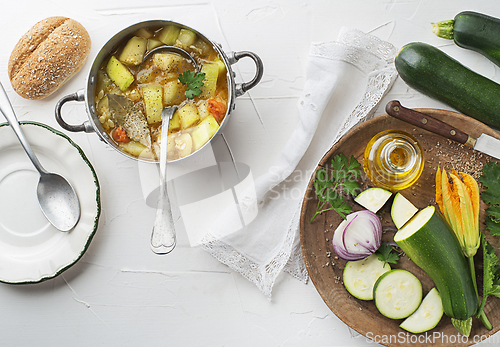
column 430, row 243
column 434, row 73
column 474, row 31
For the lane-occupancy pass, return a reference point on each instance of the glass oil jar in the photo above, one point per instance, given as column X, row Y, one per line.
column 393, row 160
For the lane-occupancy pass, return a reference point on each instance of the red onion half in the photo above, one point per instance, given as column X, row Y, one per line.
column 358, row 236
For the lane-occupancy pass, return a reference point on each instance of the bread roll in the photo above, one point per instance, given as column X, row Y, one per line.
column 47, row 56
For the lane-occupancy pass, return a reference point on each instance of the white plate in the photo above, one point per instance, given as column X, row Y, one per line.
column 31, row 249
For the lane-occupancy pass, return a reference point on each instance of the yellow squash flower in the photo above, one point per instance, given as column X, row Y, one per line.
column 457, row 195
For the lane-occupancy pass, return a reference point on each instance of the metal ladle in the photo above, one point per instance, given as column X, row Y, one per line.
column 56, row 196
column 163, row 238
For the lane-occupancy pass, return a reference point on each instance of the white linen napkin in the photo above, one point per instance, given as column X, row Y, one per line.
column 345, row 80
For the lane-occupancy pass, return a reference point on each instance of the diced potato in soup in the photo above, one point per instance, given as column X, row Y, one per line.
column 203, row 109
column 169, row 34
column 144, row 33
column 167, row 61
column 173, row 93
column 204, row 131
column 188, row 115
column 119, row 74
column 137, row 149
column 185, row 39
column 154, row 83
column 134, row 50
column 175, row 123
column 153, row 100
column 211, row 72
column 153, row 43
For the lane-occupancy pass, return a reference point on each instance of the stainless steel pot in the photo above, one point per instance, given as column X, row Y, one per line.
column 88, row 94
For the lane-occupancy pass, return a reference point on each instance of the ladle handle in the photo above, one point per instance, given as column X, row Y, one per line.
column 163, row 238
column 9, row 114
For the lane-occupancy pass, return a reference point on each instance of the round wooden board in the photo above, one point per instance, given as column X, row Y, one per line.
column 325, row 268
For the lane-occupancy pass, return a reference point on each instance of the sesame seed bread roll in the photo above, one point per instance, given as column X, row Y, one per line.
column 47, row 56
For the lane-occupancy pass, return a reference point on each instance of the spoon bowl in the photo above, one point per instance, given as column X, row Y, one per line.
column 56, row 197
column 58, row 201
column 173, row 49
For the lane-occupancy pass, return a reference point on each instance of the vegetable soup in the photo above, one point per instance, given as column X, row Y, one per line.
column 131, row 93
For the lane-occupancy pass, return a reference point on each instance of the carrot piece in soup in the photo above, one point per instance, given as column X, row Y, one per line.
column 217, row 109
column 120, row 135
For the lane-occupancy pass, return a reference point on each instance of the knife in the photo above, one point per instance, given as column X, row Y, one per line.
column 484, row 143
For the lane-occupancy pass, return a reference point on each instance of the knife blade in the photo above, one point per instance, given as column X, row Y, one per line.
column 484, row 143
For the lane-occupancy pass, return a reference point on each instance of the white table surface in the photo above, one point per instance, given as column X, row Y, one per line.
column 120, row 293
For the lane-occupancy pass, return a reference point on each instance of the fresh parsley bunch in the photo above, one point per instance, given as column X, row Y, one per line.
column 490, row 178
column 328, row 187
column 491, row 279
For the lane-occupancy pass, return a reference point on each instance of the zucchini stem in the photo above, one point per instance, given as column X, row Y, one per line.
column 480, row 313
column 443, row 29
column 473, row 273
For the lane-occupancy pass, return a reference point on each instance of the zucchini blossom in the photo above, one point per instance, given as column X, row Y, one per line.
column 457, row 195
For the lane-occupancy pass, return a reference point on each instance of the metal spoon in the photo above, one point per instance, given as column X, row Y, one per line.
column 163, row 238
column 56, row 196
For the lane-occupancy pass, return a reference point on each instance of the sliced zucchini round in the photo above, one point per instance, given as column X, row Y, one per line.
column 373, row 198
column 427, row 316
column 359, row 276
column 402, row 210
column 397, row 294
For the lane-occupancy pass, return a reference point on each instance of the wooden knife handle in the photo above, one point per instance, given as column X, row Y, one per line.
column 394, row 109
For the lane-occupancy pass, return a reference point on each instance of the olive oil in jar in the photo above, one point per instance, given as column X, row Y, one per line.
column 393, row 160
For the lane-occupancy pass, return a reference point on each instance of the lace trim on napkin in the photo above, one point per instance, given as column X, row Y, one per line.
column 368, row 53
column 378, row 85
column 263, row 276
column 296, row 265
column 369, row 43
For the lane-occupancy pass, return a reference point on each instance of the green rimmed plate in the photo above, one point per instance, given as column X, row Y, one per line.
column 31, row 249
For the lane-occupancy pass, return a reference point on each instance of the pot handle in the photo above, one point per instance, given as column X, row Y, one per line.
column 234, row 57
column 77, row 96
